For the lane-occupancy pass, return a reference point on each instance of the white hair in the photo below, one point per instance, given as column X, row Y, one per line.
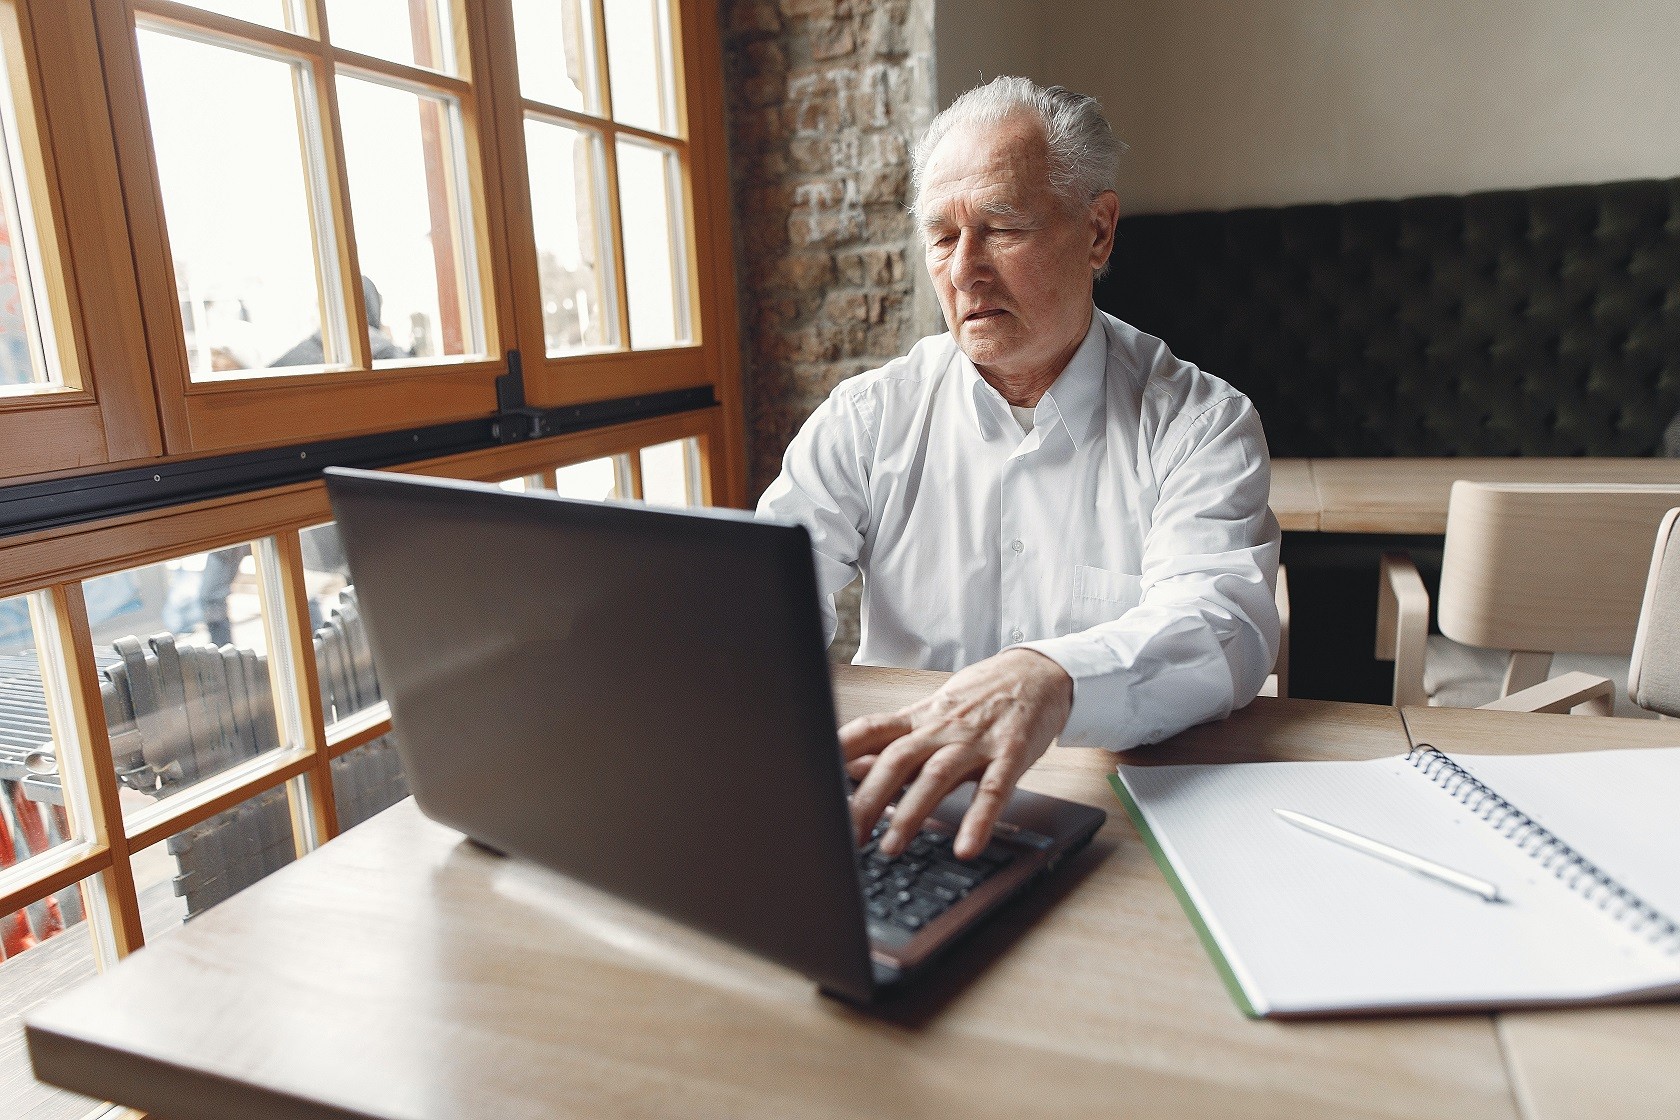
column 1084, row 152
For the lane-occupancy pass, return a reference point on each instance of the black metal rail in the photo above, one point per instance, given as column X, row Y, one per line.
column 46, row 505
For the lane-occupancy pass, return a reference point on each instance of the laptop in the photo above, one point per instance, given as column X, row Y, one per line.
column 640, row 699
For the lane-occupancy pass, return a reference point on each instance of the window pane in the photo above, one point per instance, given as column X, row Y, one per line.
column 33, row 969
column 32, row 810
column 182, row 877
column 572, row 260
column 406, row 31
column 412, row 233
column 187, row 693
column 639, row 63
column 343, row 661
column 668, row 478
column 270, row 13
column 597, row 480
column 226, row 131
column 367, row 780
column 556, row 53
column 654, row 245
column 27, row 357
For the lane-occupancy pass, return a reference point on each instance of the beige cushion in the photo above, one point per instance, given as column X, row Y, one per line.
column 1460, row 676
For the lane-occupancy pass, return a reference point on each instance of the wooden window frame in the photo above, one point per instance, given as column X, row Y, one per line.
column 112, row 282
column 265, row 411
column 105, row 414
column 712, row 355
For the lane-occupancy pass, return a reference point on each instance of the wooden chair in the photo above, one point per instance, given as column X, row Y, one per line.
column 1654, row 672
column 1278, row 683
column 1534, row 577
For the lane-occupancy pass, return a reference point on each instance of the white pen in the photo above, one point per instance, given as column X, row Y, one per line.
column 1393, row 855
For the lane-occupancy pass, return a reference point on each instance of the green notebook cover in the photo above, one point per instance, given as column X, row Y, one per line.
column 1220, row 964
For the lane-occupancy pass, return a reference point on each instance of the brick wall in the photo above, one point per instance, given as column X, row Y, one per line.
column 825, row 99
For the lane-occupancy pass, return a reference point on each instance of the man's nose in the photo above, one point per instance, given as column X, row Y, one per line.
column 970, row 262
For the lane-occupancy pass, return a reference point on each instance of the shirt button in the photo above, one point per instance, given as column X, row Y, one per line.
column 1016, row 544
column 1016, row 635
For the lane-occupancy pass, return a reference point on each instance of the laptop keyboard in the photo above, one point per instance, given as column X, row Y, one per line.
column 904, row 893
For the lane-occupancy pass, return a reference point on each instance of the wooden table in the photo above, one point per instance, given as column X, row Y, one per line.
column 1410, row 495
column 1295, row 499
column 399, row 972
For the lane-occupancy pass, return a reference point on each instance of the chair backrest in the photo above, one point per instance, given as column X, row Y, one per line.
column 1547, row 567
column 1654, row 675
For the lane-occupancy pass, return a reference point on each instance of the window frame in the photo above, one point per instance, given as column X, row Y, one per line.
column 105, row 414
column 711, row 356
column 264, row 411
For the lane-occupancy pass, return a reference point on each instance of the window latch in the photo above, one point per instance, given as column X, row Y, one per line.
column 515, row 420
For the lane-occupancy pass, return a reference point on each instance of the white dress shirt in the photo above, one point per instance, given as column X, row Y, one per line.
column 1126, row 536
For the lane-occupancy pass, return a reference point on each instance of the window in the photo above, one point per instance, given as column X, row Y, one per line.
column 29, row 355
column 306, row 190
column 670, row 474
column 75, row 384
column 608, row 209
column 234, row 225
column 238, row 224
column 310, row 186
column 572, row 119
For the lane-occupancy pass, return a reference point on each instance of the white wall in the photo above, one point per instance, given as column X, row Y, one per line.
column 977, row 40
column 1266, row 102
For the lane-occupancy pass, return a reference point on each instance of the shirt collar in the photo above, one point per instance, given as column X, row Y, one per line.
column 1073, row 400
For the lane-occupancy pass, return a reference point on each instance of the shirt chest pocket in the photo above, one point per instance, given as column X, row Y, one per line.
column 1101, row 595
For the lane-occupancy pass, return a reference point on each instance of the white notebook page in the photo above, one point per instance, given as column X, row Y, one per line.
column 1620, row 809
column 1310, row 925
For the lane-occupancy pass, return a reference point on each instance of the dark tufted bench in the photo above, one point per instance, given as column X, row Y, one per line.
column 1533, row 322
column 1539, row 322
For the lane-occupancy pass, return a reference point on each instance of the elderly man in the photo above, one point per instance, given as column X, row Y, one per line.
column 1043, row 500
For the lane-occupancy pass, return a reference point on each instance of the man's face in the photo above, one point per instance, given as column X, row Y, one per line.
column 1011, row 261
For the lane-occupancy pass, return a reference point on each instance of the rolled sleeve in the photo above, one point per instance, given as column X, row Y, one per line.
column 1203, row 637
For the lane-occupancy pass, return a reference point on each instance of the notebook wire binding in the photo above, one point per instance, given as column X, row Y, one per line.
column 1575, row 870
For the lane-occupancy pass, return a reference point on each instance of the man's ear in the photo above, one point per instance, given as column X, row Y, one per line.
column 1104, row 215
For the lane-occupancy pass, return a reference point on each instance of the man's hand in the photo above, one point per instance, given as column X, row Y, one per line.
column 992, row 720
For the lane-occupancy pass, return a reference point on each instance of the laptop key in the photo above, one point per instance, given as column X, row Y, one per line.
column 957, row 877
column 935, row 893
column 924, row 909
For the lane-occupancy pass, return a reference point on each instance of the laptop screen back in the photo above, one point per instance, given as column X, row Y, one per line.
column 637, row 698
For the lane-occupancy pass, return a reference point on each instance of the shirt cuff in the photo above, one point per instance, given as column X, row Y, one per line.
column 1120, row 703
column 1094, row 720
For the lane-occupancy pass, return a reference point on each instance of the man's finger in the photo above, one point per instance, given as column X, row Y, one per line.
column 996, row 784
column 944, row 770
column 892, row 769
column 858, row 768
column 869, row 734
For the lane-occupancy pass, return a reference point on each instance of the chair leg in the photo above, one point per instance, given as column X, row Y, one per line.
column 1525, row 670
column 1403, row 626
column 1597, row 706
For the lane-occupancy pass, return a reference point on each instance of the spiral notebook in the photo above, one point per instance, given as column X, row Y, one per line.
column 1584, row 847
